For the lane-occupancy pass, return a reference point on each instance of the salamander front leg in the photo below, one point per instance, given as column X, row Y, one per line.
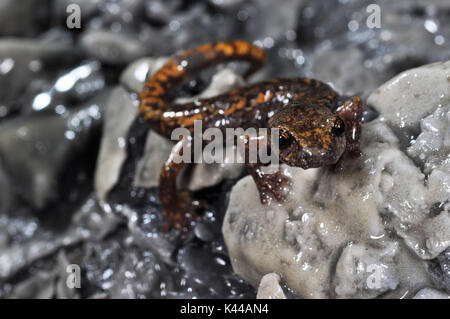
column 178, row 208
column 270, row 185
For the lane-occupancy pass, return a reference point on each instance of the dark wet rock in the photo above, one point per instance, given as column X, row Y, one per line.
column 203, row 232
column 22, row 61
column 28, row 240
column 160, row 12
column 144, row 227
column 67, row 90
column 139, row 276
column 53, row 141
column 23, row 18
column 62, row 290
column 211, row 278
column 40, row 286
column 5, row 194
column 440, row 270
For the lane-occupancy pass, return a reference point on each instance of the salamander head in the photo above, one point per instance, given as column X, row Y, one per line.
column 309, row 136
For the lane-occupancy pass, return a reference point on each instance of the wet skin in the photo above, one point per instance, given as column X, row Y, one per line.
column 313, row 130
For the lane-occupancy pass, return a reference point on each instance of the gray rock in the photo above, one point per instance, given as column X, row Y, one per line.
column 22, row 18
column 302, row 239
column 134, row 76
column 324, row 66
column 366, row 272
column 113, row 47
column 269, row 287
column 430, row 293
column 121, row 111
column 412, row 95
column 432, row 147
column 162, row 11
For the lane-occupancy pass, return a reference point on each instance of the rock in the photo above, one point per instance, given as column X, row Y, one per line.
column 67, row 90
column 62, row 290
column 121, row 111
column 52, row 141
column 324, row 67
column 203, row 232
column 269, row 287
column 40, row 286
column 88, row 222
column 145, row 234
column 366, row 272
column 430, row 293
column 113, row 47
column 432, row 147
column 162, row 11
column 137, row 278
column 134, row 76
column 208, row 279
column 6, row 194
column 302, row 239
column 22, row 61
column 26, row 18
column 412, row 95
column 440, row 270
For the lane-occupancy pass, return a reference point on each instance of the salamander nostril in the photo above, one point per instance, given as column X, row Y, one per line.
column 338, row 127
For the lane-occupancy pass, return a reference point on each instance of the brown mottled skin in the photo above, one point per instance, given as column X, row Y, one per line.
column 313, row 132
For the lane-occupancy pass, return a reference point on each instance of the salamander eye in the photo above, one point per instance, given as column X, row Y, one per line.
column 338, row 127
column 285, row 140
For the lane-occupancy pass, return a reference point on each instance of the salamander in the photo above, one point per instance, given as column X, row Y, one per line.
column 314, row 129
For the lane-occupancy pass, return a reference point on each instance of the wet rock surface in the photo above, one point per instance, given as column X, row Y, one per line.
column 78, row 168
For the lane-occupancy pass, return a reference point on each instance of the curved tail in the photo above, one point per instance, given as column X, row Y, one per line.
column 154, row 96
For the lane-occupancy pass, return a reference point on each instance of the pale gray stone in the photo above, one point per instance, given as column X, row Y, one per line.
column 269, row 287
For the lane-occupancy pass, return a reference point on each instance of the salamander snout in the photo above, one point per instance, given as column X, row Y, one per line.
column 309, row 137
